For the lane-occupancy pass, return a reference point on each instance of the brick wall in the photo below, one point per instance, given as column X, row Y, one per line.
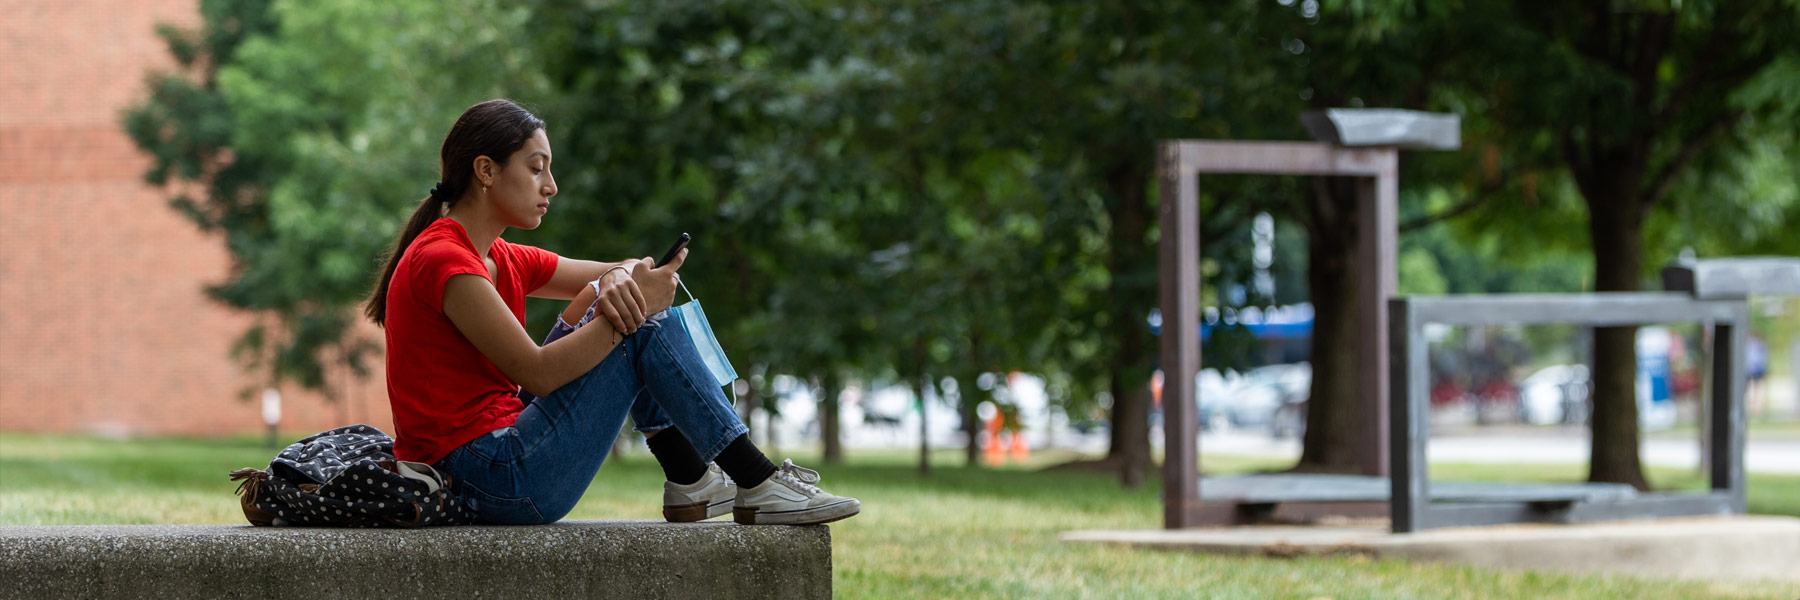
column 104, row 326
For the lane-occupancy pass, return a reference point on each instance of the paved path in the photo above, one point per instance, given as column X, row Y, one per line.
column 1741, row 547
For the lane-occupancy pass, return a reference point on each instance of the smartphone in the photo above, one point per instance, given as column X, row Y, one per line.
column 680, row 242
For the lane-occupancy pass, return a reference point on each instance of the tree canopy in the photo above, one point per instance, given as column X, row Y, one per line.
column 916, row 191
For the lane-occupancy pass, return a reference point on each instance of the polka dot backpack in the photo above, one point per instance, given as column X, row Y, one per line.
column 347, row 477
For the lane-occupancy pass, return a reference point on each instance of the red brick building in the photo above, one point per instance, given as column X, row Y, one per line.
column 104, row 324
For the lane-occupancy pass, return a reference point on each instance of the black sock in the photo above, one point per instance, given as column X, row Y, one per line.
column 744, row 463
column 680, row 462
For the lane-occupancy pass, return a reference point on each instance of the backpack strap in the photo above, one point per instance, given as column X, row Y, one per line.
column 422, row 473
column 247, row 491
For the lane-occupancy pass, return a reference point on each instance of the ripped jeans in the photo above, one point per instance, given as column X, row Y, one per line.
column 536, row 470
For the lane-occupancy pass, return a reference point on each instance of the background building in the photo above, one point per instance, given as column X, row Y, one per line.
column 104, row 323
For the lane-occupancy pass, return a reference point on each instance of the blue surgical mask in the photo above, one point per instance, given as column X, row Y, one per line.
column 693, row 319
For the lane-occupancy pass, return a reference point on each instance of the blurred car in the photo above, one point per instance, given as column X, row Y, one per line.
column 1215, row 392
column 1266, row 392
column 1290, row 419
column 1555, row 394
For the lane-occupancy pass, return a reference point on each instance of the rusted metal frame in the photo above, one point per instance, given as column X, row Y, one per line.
column 1179, row 280
column 1377, row 253
column 1179, row 164
column 1284, row 158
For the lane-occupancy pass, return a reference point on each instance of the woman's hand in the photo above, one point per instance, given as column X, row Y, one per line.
column 622, row 300
column 658, row 284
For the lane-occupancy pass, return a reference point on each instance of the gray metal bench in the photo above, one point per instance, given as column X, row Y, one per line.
column 1312, row 497
column 1710, row 291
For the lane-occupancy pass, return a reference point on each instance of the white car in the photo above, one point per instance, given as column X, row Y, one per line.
column 1555, row 394
column 1265, row 390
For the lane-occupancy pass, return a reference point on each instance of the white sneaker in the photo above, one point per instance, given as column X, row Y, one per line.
column 704, row 499
column 789, row 498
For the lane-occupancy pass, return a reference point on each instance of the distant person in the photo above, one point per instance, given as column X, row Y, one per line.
column 452, row 300
column 1756, row 366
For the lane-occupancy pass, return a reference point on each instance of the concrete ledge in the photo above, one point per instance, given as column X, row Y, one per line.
column 571, row 559
column 1740, row 547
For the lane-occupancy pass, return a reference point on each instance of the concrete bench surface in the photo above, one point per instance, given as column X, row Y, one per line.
column 570, row 559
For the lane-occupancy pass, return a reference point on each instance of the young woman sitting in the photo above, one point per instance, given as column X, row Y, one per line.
column 452, row 301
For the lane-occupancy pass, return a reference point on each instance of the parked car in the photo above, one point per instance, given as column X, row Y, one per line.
column 1268, row 392
column 1214, row 391
column 1290, row 419
column 1555, row 394
column 1295, row 383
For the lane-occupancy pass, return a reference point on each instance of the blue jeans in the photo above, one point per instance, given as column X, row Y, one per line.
column 536, row 470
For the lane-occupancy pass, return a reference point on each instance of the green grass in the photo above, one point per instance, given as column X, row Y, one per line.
column 956, row 533
column 1758, row 429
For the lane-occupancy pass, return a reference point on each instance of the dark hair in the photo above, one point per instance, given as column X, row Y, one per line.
column 495, row 129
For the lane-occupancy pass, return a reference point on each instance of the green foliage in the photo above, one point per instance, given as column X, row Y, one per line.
column 311, row 133
column 907, row 189
column 1672, row 116
column 912, row 190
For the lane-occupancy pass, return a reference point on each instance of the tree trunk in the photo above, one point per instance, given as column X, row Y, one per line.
column 970, row 400
column 1131, row 412
column 746, row 407
column 1132, row 262
column 830, row 425
column 1332, row 424
column 1615, row 226
column 924, row 427
column 972, row 426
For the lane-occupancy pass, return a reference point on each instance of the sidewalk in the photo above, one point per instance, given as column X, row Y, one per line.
column 1732, row 548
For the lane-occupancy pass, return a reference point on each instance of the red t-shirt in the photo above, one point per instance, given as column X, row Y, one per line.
column 443, row 391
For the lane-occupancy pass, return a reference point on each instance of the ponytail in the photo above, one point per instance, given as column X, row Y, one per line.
column 428, row 212
column 495, row 129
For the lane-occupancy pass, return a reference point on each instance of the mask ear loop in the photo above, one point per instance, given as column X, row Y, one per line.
column 733, row 385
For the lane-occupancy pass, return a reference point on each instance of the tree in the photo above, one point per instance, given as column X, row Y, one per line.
column 1349, row 55
column 1550, row 99
column 873, row 229
column 884, row 122
column 1628, row 98
column 1086, row 91
column 722, row 119
column 930, row 192
column 305, row 166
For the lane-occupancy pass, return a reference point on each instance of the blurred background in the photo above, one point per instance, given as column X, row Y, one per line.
column 917, row 224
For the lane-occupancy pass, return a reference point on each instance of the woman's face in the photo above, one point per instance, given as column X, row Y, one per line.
column 521, row 191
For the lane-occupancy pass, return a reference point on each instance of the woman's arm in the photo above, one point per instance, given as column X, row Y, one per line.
column 478, row 312
column 572, row 274
column 476, row 309
column 621, row 302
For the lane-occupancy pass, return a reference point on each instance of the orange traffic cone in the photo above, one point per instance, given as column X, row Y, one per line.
column 1021, row 451
column 993, row 452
